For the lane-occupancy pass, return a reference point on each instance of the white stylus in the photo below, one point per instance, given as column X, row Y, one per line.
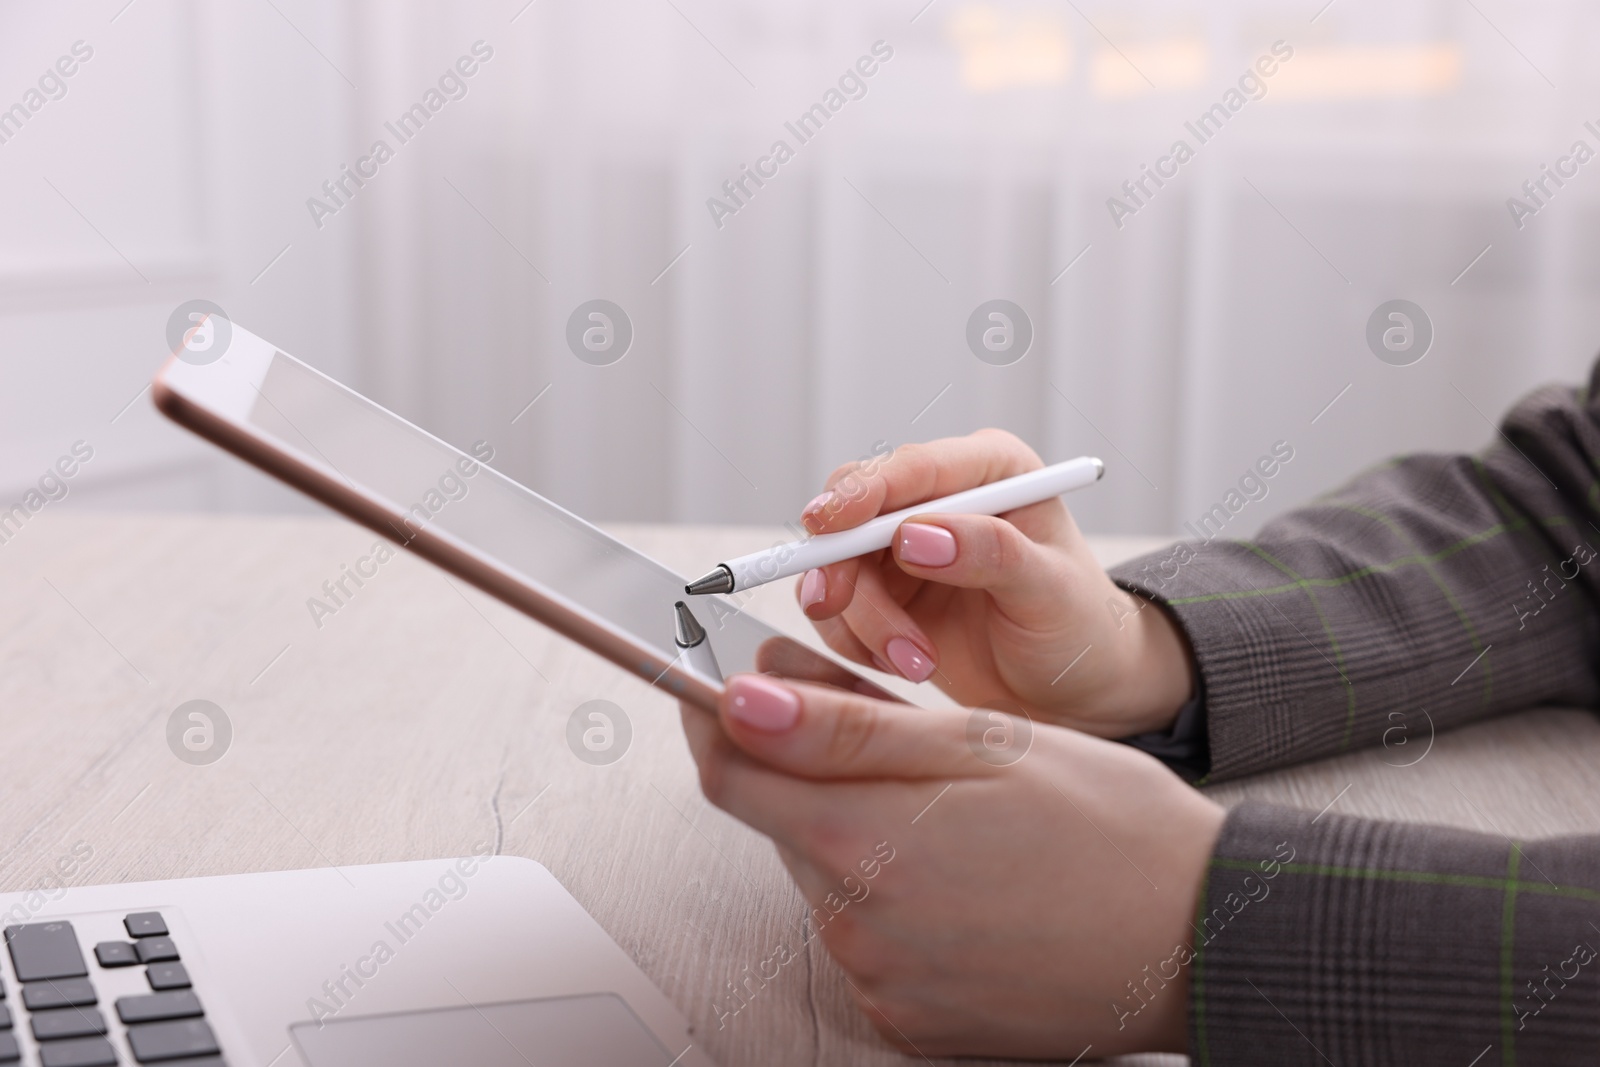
column 796, row 557
column 694, row 644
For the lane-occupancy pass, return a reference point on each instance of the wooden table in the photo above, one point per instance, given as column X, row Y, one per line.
column 422, row 717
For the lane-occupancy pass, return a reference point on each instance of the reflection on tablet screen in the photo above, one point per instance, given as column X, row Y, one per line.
column 441, row 488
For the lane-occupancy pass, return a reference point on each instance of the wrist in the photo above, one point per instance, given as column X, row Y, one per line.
column 1160, row 675
column 1202, row 824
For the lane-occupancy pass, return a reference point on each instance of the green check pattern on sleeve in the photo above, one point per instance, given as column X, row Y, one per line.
column 1435, row 589
column 1449, row 585
column 1386, row 943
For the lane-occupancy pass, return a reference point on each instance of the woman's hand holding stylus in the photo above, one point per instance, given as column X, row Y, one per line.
column 1011, row 608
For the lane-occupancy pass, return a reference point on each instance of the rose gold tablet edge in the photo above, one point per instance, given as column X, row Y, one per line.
column 594, row 636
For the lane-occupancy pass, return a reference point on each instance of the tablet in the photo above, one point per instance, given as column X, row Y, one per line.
column 447, row 506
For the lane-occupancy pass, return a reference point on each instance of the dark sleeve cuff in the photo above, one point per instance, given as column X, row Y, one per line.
column 1183, row 746
column 1325, row 938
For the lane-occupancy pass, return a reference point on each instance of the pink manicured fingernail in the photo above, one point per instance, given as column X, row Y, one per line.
column 909, row 660
column 763, row 705
column 927, row 546
column 813, row 589
column 818, row 502
column 815, row 514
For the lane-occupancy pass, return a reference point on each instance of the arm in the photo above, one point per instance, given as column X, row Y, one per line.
column 1082, row 897
column 1458, row 586
column 1355, row 941
column 1454, row 585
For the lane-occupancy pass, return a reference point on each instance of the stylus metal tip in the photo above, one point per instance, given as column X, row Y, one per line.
column 687, row 629
column 1099, row 469
column 718, row 581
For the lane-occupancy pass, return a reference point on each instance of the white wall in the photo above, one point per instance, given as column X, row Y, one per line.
column 826, row 314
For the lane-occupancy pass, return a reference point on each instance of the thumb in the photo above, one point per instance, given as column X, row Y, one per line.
column 989, row 553
column 821, row 732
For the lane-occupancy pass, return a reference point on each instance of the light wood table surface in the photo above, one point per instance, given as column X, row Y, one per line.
column 423, row 717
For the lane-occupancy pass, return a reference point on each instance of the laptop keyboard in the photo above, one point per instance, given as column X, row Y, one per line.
column 64, row 1014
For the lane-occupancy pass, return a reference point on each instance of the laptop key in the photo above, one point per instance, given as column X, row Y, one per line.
column 165, row 976
column 155, row 1042
column 45, row 950
column 115, row 954
column 9, row 1052
column 78, row 1052
column 67, row 1022
column 156, row 949
column 5, row 1017
column 146, row 924
column 155, row 1007
column 66, row 993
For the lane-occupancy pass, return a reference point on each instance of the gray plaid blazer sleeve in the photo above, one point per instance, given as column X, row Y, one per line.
column 1436, row 587
column 1454, row 587
column 1357, row 942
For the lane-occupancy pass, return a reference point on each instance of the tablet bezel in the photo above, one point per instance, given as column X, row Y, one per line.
column 216, row 408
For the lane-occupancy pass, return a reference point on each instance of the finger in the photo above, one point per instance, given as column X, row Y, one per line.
column 838, row 636
column 829, row 826
column 703, row 732
column 879, row 622
column 1032, row 581
column 787, row 809
column 825, row 591
column 817, row 732
column 788, row 658
column 811, row 882
column 821, row 829
column 737, row 784
column 917, row 472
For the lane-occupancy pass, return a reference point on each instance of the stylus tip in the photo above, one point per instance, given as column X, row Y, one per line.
column 718, row 581
column 687, row 630
column 1099, row 468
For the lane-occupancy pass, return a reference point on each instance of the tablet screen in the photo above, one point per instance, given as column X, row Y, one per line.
column 441, row 488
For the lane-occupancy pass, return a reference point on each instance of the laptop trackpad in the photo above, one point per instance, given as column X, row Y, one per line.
column 598, row 1030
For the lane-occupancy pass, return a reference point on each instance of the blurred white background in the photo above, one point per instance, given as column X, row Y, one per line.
column 830, row 312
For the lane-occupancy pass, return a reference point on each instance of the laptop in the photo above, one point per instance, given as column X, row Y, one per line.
column 480, row 961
